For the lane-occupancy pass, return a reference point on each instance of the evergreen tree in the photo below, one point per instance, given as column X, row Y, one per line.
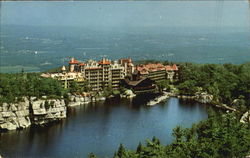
column 121, row 151
column 92, row 155
column 139, row 148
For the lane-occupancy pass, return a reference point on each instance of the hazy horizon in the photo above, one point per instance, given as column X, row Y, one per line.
column 177, row 31
column 99, row 14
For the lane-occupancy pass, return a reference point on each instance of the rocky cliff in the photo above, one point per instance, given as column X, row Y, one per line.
column 76, row 100
column 31, row 111
column 53, row 111
column 246, row 117
column 203, row 97
column 15, row 115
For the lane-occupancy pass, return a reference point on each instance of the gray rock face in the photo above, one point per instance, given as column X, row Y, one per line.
column 15, row 115
column 42, row 114
column 76, row 100
column 19, row 115
column 246, row 117
column 203, row 97
column 128, row 94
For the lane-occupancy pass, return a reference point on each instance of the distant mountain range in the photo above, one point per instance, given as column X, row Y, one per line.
column 39, row 48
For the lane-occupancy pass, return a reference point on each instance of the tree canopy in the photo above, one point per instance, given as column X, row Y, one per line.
column 226, row 82
column 221, row 135
column 14, row 86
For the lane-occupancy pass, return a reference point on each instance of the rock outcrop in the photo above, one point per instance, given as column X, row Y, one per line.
column 246, row 117
column 23, row 114
column 53, row 111
column 15, row 115
column 76, row 100
column 128, row 94
column 203, row 97
column 158, row 99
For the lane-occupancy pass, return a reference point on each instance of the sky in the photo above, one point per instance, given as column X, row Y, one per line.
column 127, row 13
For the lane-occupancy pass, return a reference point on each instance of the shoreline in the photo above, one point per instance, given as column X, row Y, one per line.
column 58, row 111
column 194, row 98
column 42, row 111
column 203, row 99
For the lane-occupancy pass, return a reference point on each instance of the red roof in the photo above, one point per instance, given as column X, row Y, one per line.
column 73, row 61
column 143, row 69
column 150, row 67
column 175, row 67
column 172, row 68
column 81, row 64
column 104, row 62
column 168, row 68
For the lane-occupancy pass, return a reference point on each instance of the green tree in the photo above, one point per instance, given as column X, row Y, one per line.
column 187, row 87
column 74, row 87
column 164, row 84
column 139, row 148
column 121, row 151
column 92, row 155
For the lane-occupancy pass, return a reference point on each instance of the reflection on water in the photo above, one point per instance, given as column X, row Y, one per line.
column 101, row 127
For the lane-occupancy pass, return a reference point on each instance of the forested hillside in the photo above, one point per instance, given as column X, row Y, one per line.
column 225, row 82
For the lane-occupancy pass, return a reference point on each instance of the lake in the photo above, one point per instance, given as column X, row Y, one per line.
column 101, row 127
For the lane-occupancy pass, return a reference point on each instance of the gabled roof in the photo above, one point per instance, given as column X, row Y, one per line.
column 175, row 67
column 63, row 68
column 73, row 61
column 168, row 68
column 81, row 64
column 143, row 69
column 104, row 62
column 172, row 68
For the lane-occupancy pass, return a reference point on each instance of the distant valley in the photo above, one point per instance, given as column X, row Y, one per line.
column 36, row 48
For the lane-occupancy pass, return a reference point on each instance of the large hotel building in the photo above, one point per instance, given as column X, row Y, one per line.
column 107, row 73
column 103, row 73
column 157, row 72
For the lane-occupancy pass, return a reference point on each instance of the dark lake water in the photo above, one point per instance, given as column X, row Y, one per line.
column 101, row 127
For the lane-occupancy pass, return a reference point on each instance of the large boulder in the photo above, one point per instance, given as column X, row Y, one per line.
column 24, row 122
column 8, row 126
column 5, row 107
column 245, row 117
column 10, row 123
column 22, row 113
column 129, row 93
